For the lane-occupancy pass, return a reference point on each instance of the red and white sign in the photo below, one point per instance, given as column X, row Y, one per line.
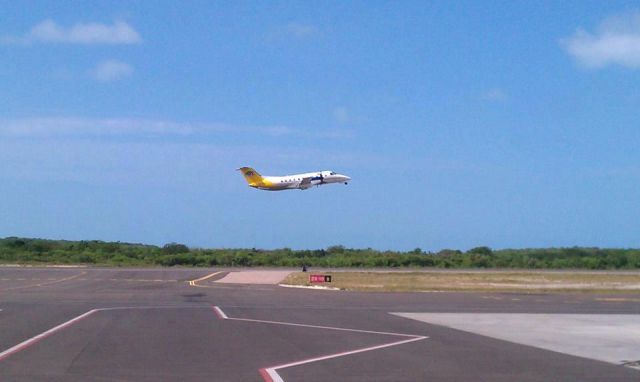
column 319, row 278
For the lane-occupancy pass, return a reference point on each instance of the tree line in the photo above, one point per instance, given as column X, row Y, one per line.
column 14, row 250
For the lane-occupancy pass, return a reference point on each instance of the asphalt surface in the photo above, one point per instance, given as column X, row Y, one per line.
column 153, row 325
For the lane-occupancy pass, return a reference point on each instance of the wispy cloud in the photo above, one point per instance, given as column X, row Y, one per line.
column 622, row 172
column 300, row 30
column 112, row 70
column 294, row 30
column 494, row 95
column 341, row 114
column 344, row 116
column 87, row 127
column 78, row 127
column 616, row 41
column 48, row 31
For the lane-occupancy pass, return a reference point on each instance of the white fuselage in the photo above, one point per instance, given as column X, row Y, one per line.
column 304, row 181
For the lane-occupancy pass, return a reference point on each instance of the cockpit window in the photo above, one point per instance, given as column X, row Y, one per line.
column 332, row 173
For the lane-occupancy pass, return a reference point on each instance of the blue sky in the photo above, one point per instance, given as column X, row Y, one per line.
column 506, row 124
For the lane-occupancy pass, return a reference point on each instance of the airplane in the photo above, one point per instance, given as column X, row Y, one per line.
column 291, row 182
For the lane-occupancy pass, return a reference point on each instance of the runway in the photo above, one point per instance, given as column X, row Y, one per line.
column 113, row 324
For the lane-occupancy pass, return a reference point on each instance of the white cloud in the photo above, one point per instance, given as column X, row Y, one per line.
column 341, row 114
column 294, row 30
column 616, row 41
column 494, row 95
column 299, row 30
column 344, row 116
column 95, row 127
column 334, row 134
column 78, row 127
column 112, row 70
column 48, row 31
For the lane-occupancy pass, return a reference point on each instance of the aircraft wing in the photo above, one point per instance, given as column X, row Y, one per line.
column 306, row 182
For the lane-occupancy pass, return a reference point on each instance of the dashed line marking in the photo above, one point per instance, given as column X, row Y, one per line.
column 45, row 283
column 492, row 298
column 89, row 279
column 270, row 373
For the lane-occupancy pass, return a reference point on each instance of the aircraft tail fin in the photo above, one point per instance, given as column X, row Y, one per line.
column 251, row 176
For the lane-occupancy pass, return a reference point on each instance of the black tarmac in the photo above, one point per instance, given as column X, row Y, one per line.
column 153, row 325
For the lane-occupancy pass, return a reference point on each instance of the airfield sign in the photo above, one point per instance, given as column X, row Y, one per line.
column 319, row 278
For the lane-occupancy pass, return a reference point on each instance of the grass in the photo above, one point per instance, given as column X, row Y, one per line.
column 487, row 281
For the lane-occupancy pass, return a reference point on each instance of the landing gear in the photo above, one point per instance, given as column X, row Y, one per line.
column 346, row 183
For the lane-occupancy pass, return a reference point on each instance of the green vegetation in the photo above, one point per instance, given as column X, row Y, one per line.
column 38, row 251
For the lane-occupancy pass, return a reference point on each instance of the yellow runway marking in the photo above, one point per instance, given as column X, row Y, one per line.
column 617, row 299
column 195, row 282
column 46, row 283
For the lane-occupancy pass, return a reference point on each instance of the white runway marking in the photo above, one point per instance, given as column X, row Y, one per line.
column 275, row 377
column 270, row 374
column 613, row 338
column 25, row 344
column 220, row 313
